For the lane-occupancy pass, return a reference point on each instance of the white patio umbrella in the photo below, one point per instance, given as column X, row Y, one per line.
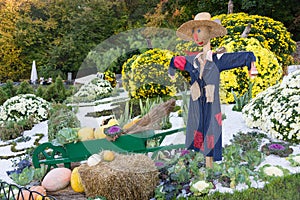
column 34, row 76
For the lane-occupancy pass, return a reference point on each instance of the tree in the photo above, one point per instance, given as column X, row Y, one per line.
column 172, row 14
column 11, row 59
column 58, row 34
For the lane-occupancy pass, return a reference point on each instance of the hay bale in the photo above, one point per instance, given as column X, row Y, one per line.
column 126, row 177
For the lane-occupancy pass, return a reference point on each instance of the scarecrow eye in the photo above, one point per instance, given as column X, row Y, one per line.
column 193, row 30
column 199, row 30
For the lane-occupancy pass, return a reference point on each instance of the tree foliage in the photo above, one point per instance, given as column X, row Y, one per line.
column 58, row 34
column 173, row 13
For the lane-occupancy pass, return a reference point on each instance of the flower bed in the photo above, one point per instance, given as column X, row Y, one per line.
column 269, row 70
column 23, row 107
column 94, row 90
column 277, row 110
column 146, row 75
column 272, row 34
column 183, row 174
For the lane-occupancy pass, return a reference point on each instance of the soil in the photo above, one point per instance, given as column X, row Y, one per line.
column 67, row 194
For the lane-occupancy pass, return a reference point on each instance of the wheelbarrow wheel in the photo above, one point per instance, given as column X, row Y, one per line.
column 49, row 155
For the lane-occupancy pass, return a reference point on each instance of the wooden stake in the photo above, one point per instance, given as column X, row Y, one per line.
column 209, row 162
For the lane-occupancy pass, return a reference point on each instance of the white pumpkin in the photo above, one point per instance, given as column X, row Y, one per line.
column 93, row 160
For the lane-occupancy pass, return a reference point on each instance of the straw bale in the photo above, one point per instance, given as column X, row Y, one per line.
column 129, row 177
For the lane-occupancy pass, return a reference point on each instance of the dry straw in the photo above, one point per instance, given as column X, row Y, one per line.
column 129, row 177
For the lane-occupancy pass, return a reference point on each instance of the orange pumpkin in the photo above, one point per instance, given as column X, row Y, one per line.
column 34, row 196
column 39, row 189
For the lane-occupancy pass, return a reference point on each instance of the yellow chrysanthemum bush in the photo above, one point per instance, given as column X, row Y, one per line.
column 269, row 70
column 148, row 75
column 272, row 34
column 110, row 77
column 126, row 71
column 187, row 47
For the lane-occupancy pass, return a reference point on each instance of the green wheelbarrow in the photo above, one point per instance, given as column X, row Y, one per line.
column 51, row 155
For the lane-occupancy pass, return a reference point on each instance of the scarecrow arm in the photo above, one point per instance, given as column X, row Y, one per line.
column 234, row 60
column 177, row 62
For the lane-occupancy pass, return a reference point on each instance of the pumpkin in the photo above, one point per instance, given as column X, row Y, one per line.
column 57, row 179
column 34, row 196
column 93, row 160
column 130, row 124
column 99, row 133
column 86, row 133
column 76, row 183
column 108, row 156
column 26, row 195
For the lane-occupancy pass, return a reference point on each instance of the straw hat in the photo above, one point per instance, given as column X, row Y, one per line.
column 201, row 19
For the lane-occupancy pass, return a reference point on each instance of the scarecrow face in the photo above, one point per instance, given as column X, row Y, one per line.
column 201, row 35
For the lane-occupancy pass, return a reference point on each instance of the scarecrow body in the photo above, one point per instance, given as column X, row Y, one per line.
column 204, row 125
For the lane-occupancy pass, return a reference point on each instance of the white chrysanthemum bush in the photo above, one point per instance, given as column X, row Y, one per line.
column 94, row 90
column 277, row 109
column 24, row 106
column 269, row 70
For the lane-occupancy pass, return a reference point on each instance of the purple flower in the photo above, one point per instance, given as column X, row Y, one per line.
column 159, row 164
column 276, row 147
column 184, row 152
column 114, row 130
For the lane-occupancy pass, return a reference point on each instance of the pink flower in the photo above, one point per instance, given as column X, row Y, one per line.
column 184, row 152
column 114, row 130
column 276, row 147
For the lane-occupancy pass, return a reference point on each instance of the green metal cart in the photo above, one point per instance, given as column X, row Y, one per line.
column 51, row 155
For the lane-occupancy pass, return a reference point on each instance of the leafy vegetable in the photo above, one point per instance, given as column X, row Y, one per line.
column 28, row 175
column 66, row 135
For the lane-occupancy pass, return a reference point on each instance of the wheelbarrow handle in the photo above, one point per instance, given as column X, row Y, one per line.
column 162, row 135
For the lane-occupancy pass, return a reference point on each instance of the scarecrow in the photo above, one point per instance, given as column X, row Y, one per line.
column 204, row 125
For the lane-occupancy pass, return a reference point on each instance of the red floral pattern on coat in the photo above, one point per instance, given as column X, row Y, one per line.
column 219, row 118
column 179, row 62
column 198, row 140
column 210, row 141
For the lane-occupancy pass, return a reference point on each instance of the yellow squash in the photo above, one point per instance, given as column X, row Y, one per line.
column 86, row 133
column 76, row 183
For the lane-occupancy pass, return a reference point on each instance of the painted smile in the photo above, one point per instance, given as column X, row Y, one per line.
column 200, row 43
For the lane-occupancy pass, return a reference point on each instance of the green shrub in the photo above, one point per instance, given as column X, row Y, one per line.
column 40, row 91
column 10, row 129
column 3, row 96
column 51, row 93
column 61, row 116
column 25, row 88
column 55, row 92
column 61, row 90
column 9, row 88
